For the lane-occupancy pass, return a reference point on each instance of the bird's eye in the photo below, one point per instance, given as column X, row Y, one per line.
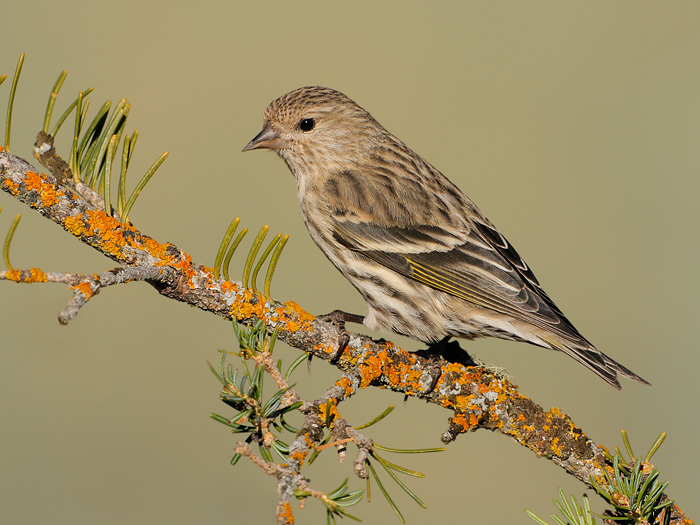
column 307, row 124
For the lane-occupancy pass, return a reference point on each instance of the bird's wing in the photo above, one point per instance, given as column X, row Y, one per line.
column 476, row 264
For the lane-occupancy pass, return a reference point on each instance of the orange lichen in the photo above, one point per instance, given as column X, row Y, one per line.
column 299, row 319
column 34, row 181
column 49, row 196
column 478, row 402
column 285, row 514
column 111, row 237
column 184, row 265
column 557, row 448
column 371, row 368
column 346, row 385
column 74, row 225
column 48, row 191
column 85, row 288
column 107, row 229
column 463, row 401
column 320, row 347
column 11, row 186
column 333, row 410
column 403, row 372
column 461, row 420
column 153, row 247
column 244, row 309
column 36, row 276
column 297, row 456
column 599, row 477
column 291, row 315
column 228, row 287
column 14, row 275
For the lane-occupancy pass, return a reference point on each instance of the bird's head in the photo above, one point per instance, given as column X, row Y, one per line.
column 316, row 126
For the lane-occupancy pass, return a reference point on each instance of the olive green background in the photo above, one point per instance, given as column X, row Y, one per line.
column 573, row 125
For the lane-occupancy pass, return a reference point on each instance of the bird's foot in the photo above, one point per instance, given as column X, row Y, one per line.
column 450, row 351
column 339, row 318
column 434, row 354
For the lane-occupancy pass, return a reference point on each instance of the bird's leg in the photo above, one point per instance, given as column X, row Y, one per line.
column 339, row 318
column 434, row 352
column 450, row 351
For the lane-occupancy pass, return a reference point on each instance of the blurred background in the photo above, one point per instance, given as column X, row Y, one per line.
column 574, row 126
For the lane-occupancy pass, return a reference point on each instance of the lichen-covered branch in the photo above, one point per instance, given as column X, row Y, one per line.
column 46, row 153
column 478, row 397
column 87, row 286
column 287, row 477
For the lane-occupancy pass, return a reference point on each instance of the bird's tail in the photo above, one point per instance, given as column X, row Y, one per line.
column 596, row 361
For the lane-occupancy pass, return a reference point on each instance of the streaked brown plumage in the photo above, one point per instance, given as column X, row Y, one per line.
column 425, row 259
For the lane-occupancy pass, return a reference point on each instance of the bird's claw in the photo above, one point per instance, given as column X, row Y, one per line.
column 339, row 318
column 435, row 371
column 450, row 351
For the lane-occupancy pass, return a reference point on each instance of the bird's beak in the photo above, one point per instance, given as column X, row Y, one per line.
column 267, row 138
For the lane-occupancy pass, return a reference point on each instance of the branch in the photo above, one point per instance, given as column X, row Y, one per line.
column 87, row 286
column 287, row 478
column 479, row 397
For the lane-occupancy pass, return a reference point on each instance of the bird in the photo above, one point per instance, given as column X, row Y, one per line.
column 426, row 260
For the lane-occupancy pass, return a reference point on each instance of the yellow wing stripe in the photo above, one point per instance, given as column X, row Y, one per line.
column 428, row 276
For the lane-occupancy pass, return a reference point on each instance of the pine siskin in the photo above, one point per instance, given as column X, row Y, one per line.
column 425, row 259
